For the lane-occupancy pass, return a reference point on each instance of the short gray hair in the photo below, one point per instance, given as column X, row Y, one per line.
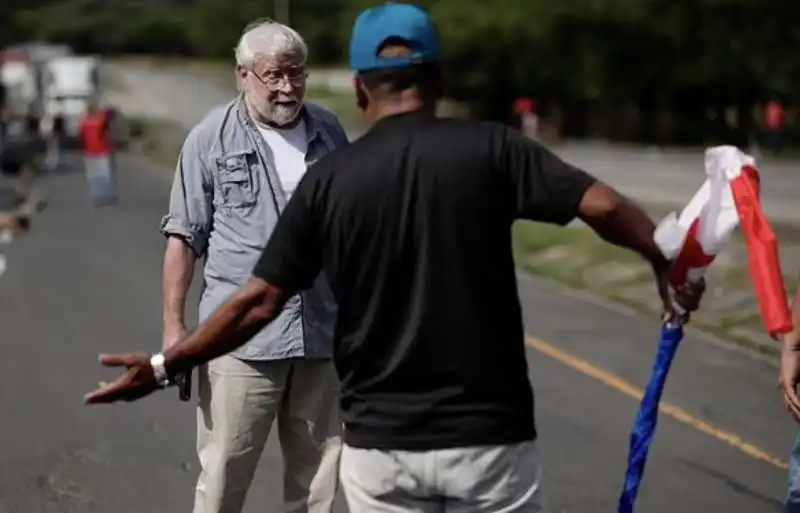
column 267, row 38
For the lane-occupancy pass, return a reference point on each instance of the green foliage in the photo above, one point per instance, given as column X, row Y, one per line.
column 670, row 63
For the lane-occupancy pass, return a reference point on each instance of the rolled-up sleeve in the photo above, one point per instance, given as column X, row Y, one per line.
column 190, row 203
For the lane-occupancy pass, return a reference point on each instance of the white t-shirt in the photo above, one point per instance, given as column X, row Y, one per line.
column 289, row 147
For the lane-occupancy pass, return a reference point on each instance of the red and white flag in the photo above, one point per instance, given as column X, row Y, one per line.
column 729, row 197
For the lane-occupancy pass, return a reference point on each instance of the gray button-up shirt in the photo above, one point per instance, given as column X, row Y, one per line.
column 226, row 198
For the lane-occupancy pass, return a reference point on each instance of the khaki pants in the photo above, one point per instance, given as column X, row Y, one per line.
column 491, row 479
column 238, row 402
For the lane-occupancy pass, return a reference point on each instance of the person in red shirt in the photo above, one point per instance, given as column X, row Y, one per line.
column 525, row 110
column 98, row 148
column 775, row 122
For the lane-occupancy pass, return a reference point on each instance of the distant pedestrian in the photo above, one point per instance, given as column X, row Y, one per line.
column 55, row 137
column 775, row 121
column 525, row 110
column 98, row 149
column 31, row 124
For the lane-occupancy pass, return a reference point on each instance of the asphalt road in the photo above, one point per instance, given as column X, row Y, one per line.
column 86, row 281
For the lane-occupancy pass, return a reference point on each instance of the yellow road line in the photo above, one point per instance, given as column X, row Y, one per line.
column 625, row 387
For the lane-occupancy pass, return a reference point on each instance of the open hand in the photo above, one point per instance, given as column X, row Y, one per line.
column 136, row 382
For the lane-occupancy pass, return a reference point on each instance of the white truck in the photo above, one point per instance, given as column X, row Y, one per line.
column 70, row 84
column 18, row 76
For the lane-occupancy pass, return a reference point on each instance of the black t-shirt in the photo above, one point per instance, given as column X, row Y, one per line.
column 412, row 226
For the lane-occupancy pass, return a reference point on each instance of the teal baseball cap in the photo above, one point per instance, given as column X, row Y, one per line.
column 393, row 20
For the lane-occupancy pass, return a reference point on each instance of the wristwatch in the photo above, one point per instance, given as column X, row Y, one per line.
column 160, row 370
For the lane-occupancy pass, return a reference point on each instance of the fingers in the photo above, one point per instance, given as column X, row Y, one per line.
column 670, row 316
column 105, row 393
column 676, row 312
column 688, row 295
column 134, row 383
column 791, row 408
column 121, row 360
column 679, row 300
column 120, row 390
column 694, row 289
column 110, row 392
column 792, row 400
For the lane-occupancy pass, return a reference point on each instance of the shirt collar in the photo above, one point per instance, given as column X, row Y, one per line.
column 412, row 116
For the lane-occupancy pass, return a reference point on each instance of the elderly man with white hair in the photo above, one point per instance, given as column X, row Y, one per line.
column 235, row 173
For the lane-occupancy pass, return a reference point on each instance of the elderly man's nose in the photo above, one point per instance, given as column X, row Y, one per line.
column 286, row 86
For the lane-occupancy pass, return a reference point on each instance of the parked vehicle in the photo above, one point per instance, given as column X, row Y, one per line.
column 71, row 83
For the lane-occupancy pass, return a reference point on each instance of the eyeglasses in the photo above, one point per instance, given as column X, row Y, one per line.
column 274, row 78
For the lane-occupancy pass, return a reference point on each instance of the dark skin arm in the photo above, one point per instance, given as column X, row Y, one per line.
column 257, row 303
column 621, row 222
column 246, row 313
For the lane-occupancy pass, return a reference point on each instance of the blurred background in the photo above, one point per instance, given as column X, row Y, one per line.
column 630, row 90
column 657, row 72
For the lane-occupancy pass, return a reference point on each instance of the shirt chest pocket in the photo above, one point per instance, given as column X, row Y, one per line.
column 236, row 180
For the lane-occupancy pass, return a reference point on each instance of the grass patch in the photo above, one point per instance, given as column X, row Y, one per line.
column 532, row 236
column 562, row 253
column 568, row 254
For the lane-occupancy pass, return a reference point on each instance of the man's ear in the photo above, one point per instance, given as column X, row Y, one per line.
column 361, row 94
column 241, row 73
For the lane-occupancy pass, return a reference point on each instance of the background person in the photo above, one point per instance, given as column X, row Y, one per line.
column 98, row 149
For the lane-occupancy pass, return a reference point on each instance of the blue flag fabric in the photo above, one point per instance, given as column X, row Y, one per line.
column 646, row 419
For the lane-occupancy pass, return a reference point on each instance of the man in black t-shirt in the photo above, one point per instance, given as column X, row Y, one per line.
column 411, row 225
